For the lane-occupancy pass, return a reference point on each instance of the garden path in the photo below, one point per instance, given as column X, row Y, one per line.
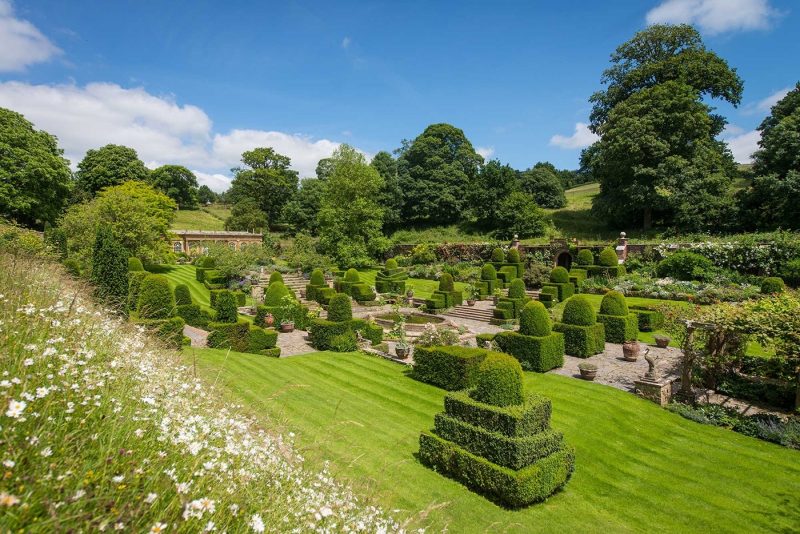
column 197, row 335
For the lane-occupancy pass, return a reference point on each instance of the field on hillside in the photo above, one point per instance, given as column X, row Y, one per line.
column 637, row 465
column 196, row 220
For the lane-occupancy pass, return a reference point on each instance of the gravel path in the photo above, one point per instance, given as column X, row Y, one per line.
column 197, row 335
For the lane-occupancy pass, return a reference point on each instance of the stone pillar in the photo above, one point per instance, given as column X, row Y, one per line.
column 515, row 242
column 622, row 247
column 658, row 391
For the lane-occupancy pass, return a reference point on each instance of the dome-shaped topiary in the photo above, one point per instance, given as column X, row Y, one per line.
column 352, row 276
column 488, row 272
column 225, row 305
column 613, row 303
column 608, row 257
column 135, row 264
column 205, row 262
column 559, row 275
column 391, row 263
column 317, row 277
column 156, row 300
column 446, row 282
column 182, row 295
column 498, row 255
column 534, row 320
column 499, row 381
column 275, row 277
column 340, row 308
column 275, row 293
column 578, row 311
column 513, row 256
column 772, row 285
column 585, row 257
column 517, row 289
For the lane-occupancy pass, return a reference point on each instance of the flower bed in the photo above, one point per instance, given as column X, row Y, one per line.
column 638, row 285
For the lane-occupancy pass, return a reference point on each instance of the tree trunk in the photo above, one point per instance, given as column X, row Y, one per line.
column 648, row 218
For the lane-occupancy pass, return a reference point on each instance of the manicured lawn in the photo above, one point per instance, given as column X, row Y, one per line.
column 639, row 468
column 220, row 211
column 423, row 288
column 184, row 274
column 196, row 220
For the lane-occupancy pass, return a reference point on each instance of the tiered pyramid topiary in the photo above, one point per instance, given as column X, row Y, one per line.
column 508, row 266
column 488, row 282
column 578, row 274
column 583, row 335
column 444, row 297
column 315, row 285
column 508, row 308
column 338, row 331
column 392, row 279
column 559, row 279
column 620, row 324
column 496, row 439
column 351, row 284
column 536, row 346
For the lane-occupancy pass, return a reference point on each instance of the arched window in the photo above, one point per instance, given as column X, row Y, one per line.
column 177, row 247
column 232, row 244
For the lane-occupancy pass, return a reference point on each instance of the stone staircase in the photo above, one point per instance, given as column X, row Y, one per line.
column 470, row 313
column 294, row 282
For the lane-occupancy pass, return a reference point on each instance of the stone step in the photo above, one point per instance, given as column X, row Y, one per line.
column 468, row 312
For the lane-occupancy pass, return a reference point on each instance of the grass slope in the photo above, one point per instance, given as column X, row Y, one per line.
column 196, row 220
column 638, row 465
column 184, row 274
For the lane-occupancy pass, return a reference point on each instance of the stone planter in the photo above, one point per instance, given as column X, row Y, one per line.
column 662, row 342
column 402, row 352
column 495, row 299
column 630, row 351
column 470, row 302
column 588, row 373
column 287, row 327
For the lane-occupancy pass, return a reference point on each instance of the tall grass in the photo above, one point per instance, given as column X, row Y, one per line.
column 102, row 428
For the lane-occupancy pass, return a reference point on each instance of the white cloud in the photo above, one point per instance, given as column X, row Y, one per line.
column 217, row 182
column 485, row 151
column 765, row 105
column 743, row 145
column 21, row 43
column 346, row 42
column 715, row 16
column 582, row 138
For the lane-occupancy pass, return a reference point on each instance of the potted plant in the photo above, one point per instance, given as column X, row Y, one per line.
column 289, row 310
column 410, row 296
column 662, row 341
column 588, row 370
column 473, row 294
column 496, row 295
column 630, row 351
column 401, row 347
column 287, row 326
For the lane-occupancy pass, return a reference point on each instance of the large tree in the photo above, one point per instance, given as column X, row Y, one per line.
column 247, row 216
column 518, row 214
column 436, row 171
column 391, row 194
column 267, row 179
column 543, row 183
column 205, row 195
column 35, row 179
column 107, row 166
column 350, row 219
column 493, row 184
column 301, row 212
column 178, row 183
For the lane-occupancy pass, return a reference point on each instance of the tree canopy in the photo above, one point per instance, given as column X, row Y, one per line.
column 247, row 216
column 391, row 194
column 178, row 183
column 544, row 185
column 205, row 195
column 267, row 179
column 301, row 212
column 493, row 184
column 107, row 166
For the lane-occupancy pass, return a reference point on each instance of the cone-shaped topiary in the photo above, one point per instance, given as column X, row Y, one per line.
column 498, row 255
column 182, row 295
column 517, row 289
column 275, row 293
column 534, row 320
column 613, row 303
column 135, row 264
column 513, row 256
column 275, row 277
column 391, row 263
column 771, row 285
column 608, row 257
column 156, row 300
column 446, row 282
column 340, row 309
column 225, row 305
column 317, row 277
column 488, row 272
column 499, row 381
column 578, row 311
column 352, row 276
column 559, row 275
column 585, row 257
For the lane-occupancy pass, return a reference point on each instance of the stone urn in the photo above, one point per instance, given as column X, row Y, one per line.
column 287, row 327
column 662, row 342
column 588, row 371
column 470, row 302
column 269, row 320
column 630, row 351
column 402, row 351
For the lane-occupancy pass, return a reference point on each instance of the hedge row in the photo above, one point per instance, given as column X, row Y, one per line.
column 619, row 329
column 649, row 319
column 582, row 341
column 324, row 332
column 169, row 330
column 243, row 337
column 450, row 367
column 539, row 354
column 530, row 417
column 193, row 315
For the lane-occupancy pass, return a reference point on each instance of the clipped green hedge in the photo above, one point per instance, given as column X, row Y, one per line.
column 193, row 315
column 548, row 296
column 323, row 332
column 169, row 330
column 585, row 257
column 579, row 311
column 135, row 265
column 235, row 336
column 275, row 276
column 608, row 257
column 513, row 256
column 563, row 291
column 582, row 341
column 559, row 275
column 499, row 381
column 649, row 319
column 340, row 308
column 577, row 276
column 606, row 272
column 517, row 289
column 451, row 368
column 498, row 256
column 134, row 286
column 484, row 341
column 275, row 292
column 260, row 340
column 534, row 320
column 182, row 295
column 620, row 329
column 156, row 300
column 325, row 295
column 614, row 303
column 535, row 353
column 531, row 417
column 361, row 292
column 226, row 307
column 772, row 285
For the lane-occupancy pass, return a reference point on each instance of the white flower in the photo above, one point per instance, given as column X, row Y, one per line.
column 256, row 523
column 117, row 479
column 158, row 528
column 7, row 499
column 78, row 494
column 119, row 526
column 47, row 452
column 15, row 408
column 210, row 527
column 28, row 362
column 9, row 463
column 151, row 497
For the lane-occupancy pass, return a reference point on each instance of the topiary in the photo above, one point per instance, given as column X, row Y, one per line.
column 391, row 263
column 275, row 277
column 534, row 320
column 578, row 311
column 226, row 307
column 585, row 257
column 182, row 295
column 317, row 277
column 498, row 255
column 110, row 268
column 499, row 381
column 513, row 256
column 275, row 293
column 559, row 275
column 772, row 285
column 345, row 342
column 352, row 276
column 446, row 282
column 135, row 264
column 156, row 300
column 608, row 257
column 613, row 303
column 685, row 265
column 488, row 272
column 340, row 308
column 517, row 289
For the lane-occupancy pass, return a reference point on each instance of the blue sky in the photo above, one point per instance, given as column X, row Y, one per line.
column 196, row 83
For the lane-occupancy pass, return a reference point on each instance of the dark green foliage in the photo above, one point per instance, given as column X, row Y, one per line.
column 445, row 296
column 340, row 308
column 579, row 311
column 649, row 319
column 517, row 289
column 193, row 315
column 274, row 294
column 607, row 272
column 234, row 336
column 182, row 295
column 275, row 276
column 301, row 211
column 169, row 330
column 772, row 285
column 494, row 183
column 325, row 294
column 488, row 271
column 260, row 340
column 324, row 331
column 107, row 166
column 345, row 342
column 582, row 341
column 484, row 341
column 316, row 283
column 178, row 183
column 561, row 291
column 499, row 381
column 577, row 276
column 613, row 303
column 608, row 258
column 352, row 276
column 544, row 186
column 685, row 265
column 156, row 300
column 391, row 279
column 498, row 256
column 519, row 214
column 585, row 257
column 534, row 320
column 511, row 421
column 135, row 264
column 791, row 272
column 451, row 368
column 247, row 216
column 241, row 297
column 362, row 292
column 110, row 268
column 538, row 354
column 620, row 328
column 513, row 256
column 391, row 263
column 226, row 307
column 265, row 177
column 134, row 286
column 559, row 275
column 317, row 278
column 508, row 308
column 72, row 266
column 206, row 262
column 547, row 295
column 446, row 282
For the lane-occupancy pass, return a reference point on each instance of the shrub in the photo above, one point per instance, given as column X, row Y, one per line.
column 434, row 336
column 391, row 263
column 548, row 296
column 193, row 315
column 686, row 266
column 135, row 264
column 340, row 308
column 182, row 295
column 169, row 330
column 498, row 256
column 110, row 268
column 536, row 274
column 317, row 278
column 226, row 307
column 451, row 368
column 234, row 336
column 538, row 354
column 260, row 339
column 156, row 300
column 649, row 319
column 534, row 320
column 791, row 272
column 422, row 254
column 488, row 272
column 362, row 292
column 446, row 282
column 134, row 287
column 559, row 275
column 484, row 341
column 772, row 285
column 620, row 328
column 275, row 293
column 585, row 257
column 345, row 342
column 352, row 276
column 72, row 266
column 517, row 289
column 608, row 257
column 513, row 256
column 582, row 341
column 613, row 303
column 499, row 381
column 579, row 311
column 276, row 276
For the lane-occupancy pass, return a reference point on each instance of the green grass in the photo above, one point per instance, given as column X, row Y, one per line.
column 220, row 211
column 196, row 220
column 637, row 465
column 422, row 288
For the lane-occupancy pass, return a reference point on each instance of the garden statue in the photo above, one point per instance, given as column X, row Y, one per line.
column 651, row 362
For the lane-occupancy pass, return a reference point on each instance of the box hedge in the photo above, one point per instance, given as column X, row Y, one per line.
column 538, row 354
column 649, row 319
column 182, row 295
column 225, row 306
column 193, row 315
column 156, row 300
column 448, row 367
column 315, row 284
column 233, row 336
column 391, row 279
column 585, row 257
column 499, row 381
column 134, row 286
column 582, row 341
column 322, row 331
column 619, row 329
column 559, row 279
column 135, row 265
column 512, row 421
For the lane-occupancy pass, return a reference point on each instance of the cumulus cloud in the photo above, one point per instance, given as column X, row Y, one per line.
column 765, row 104
column 485, row 151
column 715, row 16
column 216, row 182
column 346, row 42
column 581, row 138
column 742, row 145
column 21, row 43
